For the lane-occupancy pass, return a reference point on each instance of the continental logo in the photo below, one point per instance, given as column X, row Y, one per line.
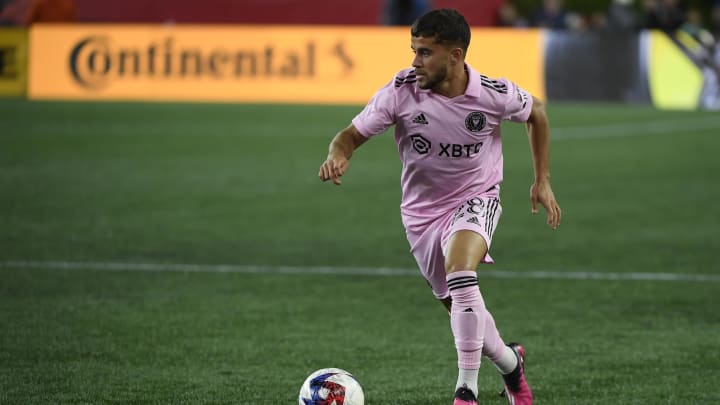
column 96, row 61
column 285, row 64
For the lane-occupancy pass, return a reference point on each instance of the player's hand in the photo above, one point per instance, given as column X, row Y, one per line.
column 333, row 168
column 542, row 193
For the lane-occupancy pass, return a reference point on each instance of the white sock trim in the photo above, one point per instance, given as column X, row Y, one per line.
column 468, row 378
column 507, row 362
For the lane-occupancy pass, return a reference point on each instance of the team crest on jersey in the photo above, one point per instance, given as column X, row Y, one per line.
column 475, row 121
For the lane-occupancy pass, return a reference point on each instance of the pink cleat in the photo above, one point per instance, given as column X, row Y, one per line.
column 517, row 389
column 464, row 396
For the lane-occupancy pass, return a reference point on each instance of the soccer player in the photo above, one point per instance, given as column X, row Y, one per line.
column 447, row 120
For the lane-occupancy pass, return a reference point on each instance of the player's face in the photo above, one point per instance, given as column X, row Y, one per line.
column 431, row 61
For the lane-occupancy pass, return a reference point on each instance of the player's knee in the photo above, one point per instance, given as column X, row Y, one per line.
column 453, row 266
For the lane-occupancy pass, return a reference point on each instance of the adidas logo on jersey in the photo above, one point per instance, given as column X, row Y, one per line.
column 420, row 119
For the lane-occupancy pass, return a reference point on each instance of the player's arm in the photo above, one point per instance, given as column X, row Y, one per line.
column 339, row 152
column 539, row 137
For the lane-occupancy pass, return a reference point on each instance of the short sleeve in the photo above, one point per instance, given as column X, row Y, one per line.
column 518, row 103
column 379, row 114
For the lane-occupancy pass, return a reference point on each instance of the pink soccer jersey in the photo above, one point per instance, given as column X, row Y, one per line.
column 450, row 149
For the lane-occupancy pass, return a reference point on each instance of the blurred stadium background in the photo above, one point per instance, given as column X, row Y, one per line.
column 164, row 237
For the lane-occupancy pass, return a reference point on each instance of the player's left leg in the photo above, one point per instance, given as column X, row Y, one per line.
column 466, row 244
column 465, row 250
column 494, row 348
column 508, row 359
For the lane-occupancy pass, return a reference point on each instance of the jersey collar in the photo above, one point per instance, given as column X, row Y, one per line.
column 474, row 86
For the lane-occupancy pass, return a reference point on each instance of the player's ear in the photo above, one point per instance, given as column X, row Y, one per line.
column 457, row 55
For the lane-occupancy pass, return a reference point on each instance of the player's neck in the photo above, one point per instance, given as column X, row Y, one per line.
column 455, row 85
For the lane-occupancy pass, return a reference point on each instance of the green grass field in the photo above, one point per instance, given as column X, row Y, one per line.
column 96, row 199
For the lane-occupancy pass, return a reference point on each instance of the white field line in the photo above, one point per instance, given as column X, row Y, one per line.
column 364, row 271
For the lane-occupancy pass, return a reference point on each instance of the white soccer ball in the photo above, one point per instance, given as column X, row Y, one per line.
column 331, row 386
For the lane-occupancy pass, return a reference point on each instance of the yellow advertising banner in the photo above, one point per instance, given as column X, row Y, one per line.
column 13, row 61
column 285, row 64
column 666, row 63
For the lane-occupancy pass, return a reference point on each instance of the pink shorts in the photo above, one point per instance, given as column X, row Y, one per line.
column 478, row 214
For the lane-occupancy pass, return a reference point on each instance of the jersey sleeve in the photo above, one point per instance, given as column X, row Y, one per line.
column 518, row 103
column 379, row 114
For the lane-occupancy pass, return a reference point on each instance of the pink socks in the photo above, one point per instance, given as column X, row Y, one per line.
column 472, row 325
column 467, row 318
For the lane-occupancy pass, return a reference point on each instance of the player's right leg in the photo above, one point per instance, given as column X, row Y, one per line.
column 428, row 252
column 517, row 390
column 427, row 249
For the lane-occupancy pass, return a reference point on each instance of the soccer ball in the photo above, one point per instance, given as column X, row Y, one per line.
column 331, row 386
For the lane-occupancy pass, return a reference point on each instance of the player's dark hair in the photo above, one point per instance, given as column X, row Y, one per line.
column 447, row 26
